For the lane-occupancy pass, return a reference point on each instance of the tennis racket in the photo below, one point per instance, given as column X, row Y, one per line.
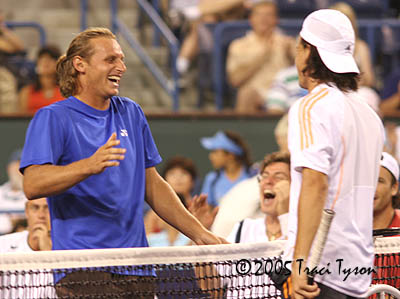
column 320, row 240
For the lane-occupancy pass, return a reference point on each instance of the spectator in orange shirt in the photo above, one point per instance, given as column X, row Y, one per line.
column 44, row 91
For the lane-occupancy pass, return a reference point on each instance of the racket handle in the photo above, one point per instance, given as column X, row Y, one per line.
column 310, row 279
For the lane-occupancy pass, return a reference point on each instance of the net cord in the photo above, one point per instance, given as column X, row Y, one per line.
column 59, row 259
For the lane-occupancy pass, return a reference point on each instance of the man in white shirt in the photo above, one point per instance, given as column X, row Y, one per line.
column 335, row 141
column 36, row 238
column 12, row 198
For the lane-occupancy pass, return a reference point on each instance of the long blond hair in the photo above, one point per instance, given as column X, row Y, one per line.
column 67, row 75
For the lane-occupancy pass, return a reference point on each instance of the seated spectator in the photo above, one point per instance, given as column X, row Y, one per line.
column 254, row 60
column 273, row 198
column 284, row 91
column 12, row 197
column 230, row 158
column 10, row 44
column 199, row 38
column 362, row 53
column 387, row 193
column 35, row 238
column 274, row 189
column 386, row 216
column 167, row 235
column 8, row 91
column 44, row 91
column 391, row 93
column 242, row 201
column 181, row 174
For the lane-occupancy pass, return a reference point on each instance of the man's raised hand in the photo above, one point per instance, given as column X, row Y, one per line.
column 107, row 155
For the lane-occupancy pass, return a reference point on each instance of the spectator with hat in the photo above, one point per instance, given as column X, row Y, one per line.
column 12, row 197
column 387, row 194
column 230, row 158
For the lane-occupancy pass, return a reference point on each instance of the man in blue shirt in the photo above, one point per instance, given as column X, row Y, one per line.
column 93, row 156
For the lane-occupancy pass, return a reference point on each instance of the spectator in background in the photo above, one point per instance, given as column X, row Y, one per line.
column 199, row 38
column 254, row 60
column 387, row 216
column 362, row 53
column 273, row 188
column 242, row 201
column 181, row 173
column 386, row 194
column 44, row 91
column 166, row 234
column 284, row 91
column 10, row 44
column 35, row 238
column 12, row 197
column 230, row 158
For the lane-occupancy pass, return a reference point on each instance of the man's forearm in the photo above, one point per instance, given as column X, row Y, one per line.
column 164, row 201
column 311, row 203
column 47, row 180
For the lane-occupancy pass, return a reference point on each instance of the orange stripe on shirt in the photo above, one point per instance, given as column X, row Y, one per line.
column 301, row 116
column 309, row 116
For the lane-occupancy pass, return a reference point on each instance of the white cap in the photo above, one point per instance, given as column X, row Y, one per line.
column 331, row 32
column 390, row 164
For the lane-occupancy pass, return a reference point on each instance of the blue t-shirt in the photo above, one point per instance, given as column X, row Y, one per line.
column 104, row 210
column 216, row 184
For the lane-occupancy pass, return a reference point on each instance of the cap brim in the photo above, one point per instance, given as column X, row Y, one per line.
column 338, row 63
column 207, row 143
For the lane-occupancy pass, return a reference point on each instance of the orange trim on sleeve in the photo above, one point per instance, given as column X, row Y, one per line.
column 303, row 109
column 309, row 116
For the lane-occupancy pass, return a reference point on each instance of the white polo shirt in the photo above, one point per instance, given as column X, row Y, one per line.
column 36, row 285
column 10, row 202
column 342, row 137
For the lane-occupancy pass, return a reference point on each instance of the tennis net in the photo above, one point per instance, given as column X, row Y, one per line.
column 220, row 271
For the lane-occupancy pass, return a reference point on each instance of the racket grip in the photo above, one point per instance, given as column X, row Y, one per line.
column 310, row 279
